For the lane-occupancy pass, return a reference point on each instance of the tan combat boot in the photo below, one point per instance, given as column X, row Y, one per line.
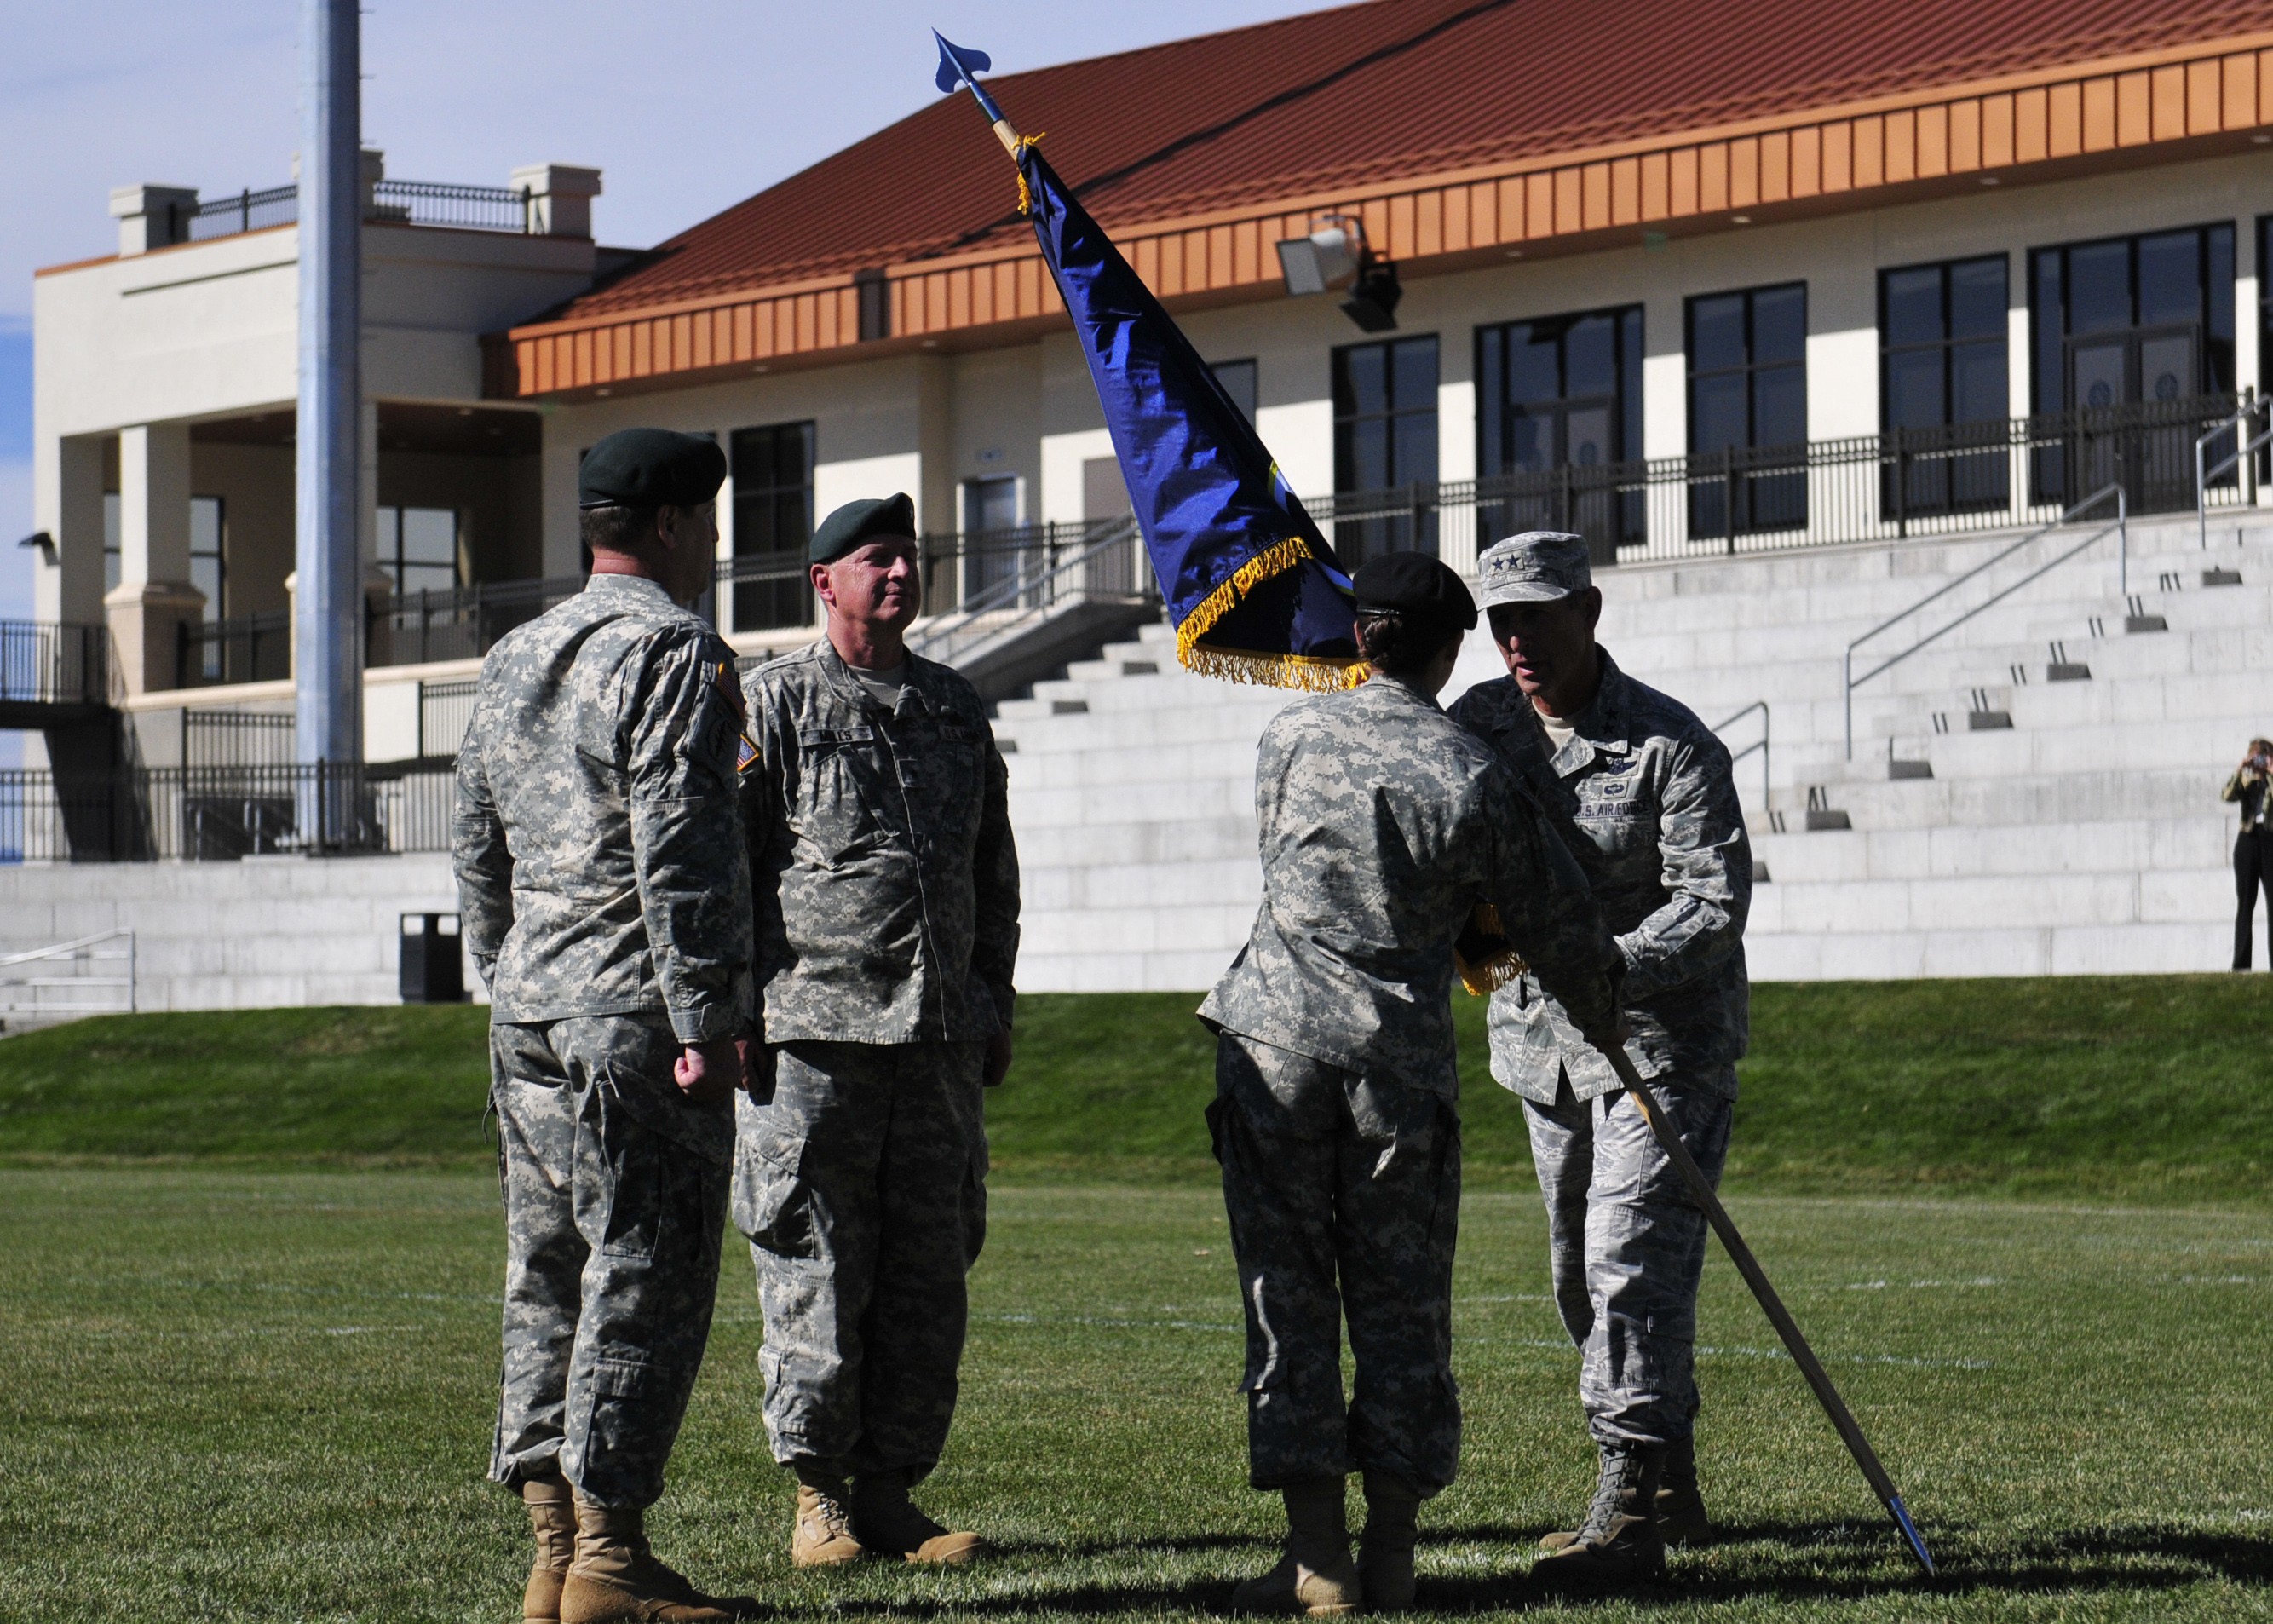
column 615, row 1576
column 553, row 1519
column 888, row 1520
column 1618, row 1544
column 1316, row 1575
column 1385, row 1550
column 1681, row 1519
column 823, row 1536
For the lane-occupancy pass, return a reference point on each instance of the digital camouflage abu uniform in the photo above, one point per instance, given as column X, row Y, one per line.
column 1382, row 826
column 887, row 917
column 601, row 878
column 1643, row 794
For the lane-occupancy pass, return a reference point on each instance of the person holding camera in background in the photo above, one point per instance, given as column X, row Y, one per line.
column 2253, row 848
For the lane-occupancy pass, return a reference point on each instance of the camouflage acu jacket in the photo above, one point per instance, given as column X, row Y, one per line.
column 597, row 838
column 885, row 877
column 1642, row 792
column 1383, row 825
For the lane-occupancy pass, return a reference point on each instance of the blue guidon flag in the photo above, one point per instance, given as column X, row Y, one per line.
column 1255, row 590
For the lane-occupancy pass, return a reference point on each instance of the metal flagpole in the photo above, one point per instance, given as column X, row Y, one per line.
column 1669, row 1140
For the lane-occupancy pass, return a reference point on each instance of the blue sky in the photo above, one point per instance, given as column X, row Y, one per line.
column 687, row 105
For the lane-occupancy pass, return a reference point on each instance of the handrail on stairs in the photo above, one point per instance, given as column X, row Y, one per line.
column 20, row 971
column 2249, row 408
column 1006, row 594
column 2121, row 527
column 1761, row 744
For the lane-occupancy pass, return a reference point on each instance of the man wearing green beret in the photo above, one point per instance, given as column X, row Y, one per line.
column 597, row 841
column 886, row 902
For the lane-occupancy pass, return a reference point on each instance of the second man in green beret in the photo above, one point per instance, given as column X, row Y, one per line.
column 886, row 890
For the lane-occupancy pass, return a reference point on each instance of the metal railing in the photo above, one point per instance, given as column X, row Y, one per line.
column 1760, row 744
column 63, row 980
column 225, row 738
column 46, row 664
column 444, row 709
column 2120, row 528
column 220, row 813
column 247, row 648
column 403, row 202
column 247, row 211
column 1035, row 572
column 2242, row 459
column 1901, row 484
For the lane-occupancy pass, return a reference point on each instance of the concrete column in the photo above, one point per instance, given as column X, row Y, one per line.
column 559, row 197
column 72, row 589
column 153, row 597
column 152, row 217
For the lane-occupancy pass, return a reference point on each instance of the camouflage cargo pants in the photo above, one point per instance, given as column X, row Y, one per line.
column 615, row 1198
column 1627, row 1245
column 862, row 1183
column 1344, row 1197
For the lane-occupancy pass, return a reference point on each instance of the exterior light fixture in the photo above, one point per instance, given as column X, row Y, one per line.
column 44, row 542
column 1334, row 256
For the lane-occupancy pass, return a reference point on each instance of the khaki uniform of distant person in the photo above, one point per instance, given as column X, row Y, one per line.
column 886, row 900
column 1642, row 792
column 598, row 841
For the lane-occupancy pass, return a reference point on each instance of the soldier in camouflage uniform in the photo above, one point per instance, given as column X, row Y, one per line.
column 1383, row 827
column 602, row 881
column 887, row 921
column 1642, row 792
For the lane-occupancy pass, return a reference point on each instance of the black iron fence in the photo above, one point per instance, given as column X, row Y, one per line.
column 444, row 710
column 404, row 202
column 46, row 664
column 250, row 647
column 411, row 628
column 221, row 813
column 1892, row 487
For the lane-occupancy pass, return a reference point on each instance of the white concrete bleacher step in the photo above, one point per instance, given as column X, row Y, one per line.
column 2086, row 836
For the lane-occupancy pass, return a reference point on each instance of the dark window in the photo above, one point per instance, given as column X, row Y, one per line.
column 418, row 548
column 773, row 525
column 1385, row 448
column 1748, row 411
column 209, row 571
column 1944, row 401
column 114, row 554
column 1238, row 379
column 1558, row 417
column 2136, row 335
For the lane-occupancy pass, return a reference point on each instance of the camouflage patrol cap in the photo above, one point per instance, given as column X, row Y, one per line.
column 1537, row 567
column 859, row 522
column 650, row 468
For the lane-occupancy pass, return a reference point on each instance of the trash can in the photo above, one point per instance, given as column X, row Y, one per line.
column 433, row 970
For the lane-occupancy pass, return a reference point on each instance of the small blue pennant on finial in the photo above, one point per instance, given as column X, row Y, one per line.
column 958, row 63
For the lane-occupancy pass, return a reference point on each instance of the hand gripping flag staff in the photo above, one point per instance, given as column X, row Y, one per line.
column 1254, row 591
column 1257, row 595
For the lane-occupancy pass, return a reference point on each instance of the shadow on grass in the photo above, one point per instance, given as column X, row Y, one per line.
column 1811, row 1561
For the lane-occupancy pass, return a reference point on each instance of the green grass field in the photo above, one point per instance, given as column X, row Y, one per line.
column 248, row 1329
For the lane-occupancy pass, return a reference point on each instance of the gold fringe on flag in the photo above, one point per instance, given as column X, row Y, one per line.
column 1296, row 671
column 1025, row 192
column 1496, row 969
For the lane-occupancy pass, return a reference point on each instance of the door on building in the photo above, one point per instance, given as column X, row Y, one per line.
column 1558, row 429
column 2134, row 349
column 991, row 544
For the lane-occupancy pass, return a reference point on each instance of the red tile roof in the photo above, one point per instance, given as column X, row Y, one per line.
column 1362, row 94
